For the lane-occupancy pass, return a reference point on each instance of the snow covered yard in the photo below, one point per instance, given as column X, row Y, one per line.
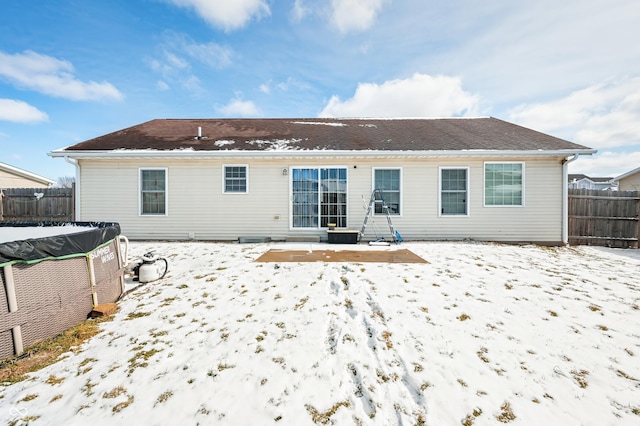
column 482, row 334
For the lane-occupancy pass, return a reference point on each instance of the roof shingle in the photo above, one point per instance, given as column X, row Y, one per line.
column 442, row 134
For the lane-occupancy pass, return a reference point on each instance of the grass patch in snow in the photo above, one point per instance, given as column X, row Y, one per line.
column 468, row 421
column 29, row 397
column 626, row 376
column 425, row 386
column 481, row 354
column 122, row 405
column 579, row 377
column 164, row 396
column 47, row 352
column 25, row 420
column 325, row 417
column 464, row 317
column 386, row 336
column 155, row 334
column 140, row 359
column 506, row 415
column 83, row 363
column 115, row 392
column 134, row 315
column 53, row 380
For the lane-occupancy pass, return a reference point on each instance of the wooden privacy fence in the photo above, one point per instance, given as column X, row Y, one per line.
column 604, row 218
column 37, row 204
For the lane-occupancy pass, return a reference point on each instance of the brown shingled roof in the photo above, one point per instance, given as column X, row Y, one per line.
column 445, row 134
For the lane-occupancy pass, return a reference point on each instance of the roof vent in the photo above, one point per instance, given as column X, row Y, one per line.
column 199, row 134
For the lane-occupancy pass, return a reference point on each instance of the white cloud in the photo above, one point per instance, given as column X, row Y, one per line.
column 239, row 108
column 283, row 86
column 210, row 54
column 174, row 61
column 226, row 14
column 606, row 164
column 178, row 52
column 600, row 116
column 51, row 76
column 299, row 11
column 162, row 85
column 419, row 96
column 354, row 15
column 175, row 45
column 20, row 112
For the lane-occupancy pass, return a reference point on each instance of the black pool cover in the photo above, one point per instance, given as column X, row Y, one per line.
column 57, row 246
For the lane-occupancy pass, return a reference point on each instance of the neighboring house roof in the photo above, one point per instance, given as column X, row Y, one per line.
column 25, row 174
column 443, row 135
column 626, row 175
column 577, row 177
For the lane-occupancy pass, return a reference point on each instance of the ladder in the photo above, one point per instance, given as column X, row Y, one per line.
column 377, row 198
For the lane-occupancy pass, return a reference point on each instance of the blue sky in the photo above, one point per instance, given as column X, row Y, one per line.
column 71, row 70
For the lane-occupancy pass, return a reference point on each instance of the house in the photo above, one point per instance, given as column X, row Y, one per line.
column 287, row 179
column 580, row 181
column 629, row 181
column 13, row 177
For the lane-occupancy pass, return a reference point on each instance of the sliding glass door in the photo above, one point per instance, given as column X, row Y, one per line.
column 319, row 197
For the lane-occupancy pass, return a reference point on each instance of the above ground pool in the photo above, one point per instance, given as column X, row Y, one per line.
column 51, row 277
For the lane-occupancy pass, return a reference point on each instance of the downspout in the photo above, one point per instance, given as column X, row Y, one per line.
column 565, row 197
column 77, row 185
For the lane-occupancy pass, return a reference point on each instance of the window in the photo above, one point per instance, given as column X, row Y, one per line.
column 454, row 191
column 319, row 197
column 235, row 179
column 153, row 192
column 388, row 182
column 503, row 184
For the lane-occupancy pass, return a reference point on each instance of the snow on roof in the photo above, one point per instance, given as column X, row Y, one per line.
column 320, row 123
column 275, row 145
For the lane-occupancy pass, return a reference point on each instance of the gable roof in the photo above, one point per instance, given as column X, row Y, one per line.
column 25, row 174
column 629, row 173
column 324, row 134
column 579, row 176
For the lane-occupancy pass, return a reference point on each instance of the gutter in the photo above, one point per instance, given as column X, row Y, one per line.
column 77, row 186
column 296, row 153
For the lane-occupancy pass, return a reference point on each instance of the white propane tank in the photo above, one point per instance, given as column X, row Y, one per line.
column 153, row 268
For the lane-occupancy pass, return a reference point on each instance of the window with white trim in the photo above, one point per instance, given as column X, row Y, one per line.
column 503, row 184
column 235, row 179
column 153, row 192
column 454, row 191
column 388, row 182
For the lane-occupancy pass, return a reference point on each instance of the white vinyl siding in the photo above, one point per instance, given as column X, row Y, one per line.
column 153, row 192
column 109, row 192
column 503, row 184
column 630, row 183
column 12, row 180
